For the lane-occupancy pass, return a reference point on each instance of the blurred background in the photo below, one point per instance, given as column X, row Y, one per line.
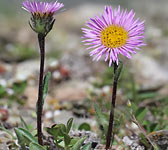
column 74, row 76
column 18, row 43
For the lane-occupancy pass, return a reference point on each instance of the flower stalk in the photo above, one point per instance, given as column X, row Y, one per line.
column 41, row 40
column 115, row 32
column 42, row 21
column 110, row 132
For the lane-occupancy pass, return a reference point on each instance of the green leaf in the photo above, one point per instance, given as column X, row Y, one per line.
column 63, row 130
column 67, row 139
column 21, row 139
column 2, row 91
column 144, row 140
column 154, row 127
column 100, row 117
column 87, row 147
column 148, row 95
column 45, row 85
column 19, row 87
column 24, row 136
column 57, row 130
column 61, row 145
column 8, row 132
column 118, row 71
column 53, row 131
column 78, row 144
column 146, row 125
column 134, row 107
column 166, row 112
column 84, row 126
column 140, row 114
column 24, row 123
column 69, row 124
column 35, row 146
column 73, row 141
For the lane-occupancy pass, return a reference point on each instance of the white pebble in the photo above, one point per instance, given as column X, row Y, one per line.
column 127, row 141
column 106, row 89
column 48, row 114
column 57, row 112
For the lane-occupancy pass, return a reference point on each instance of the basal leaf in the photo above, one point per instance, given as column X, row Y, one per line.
column 100, row 117
column 141, row 113
column 24, row 136
column 87, row 147
column 67, row 139
column 69, row 124
column 35, row 146
column 84, row 126
column 78, row 144
column 24, row 123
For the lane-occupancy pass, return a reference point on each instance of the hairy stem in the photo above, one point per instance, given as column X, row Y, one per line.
column 41, row 40
column 110, row 133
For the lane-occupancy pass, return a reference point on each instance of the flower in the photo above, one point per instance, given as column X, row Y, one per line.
column 41, row 8
column 114, row 32
column 42, row 14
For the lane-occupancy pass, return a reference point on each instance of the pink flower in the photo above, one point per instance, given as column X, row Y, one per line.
column 114, row 32
column 42, row 15
column 42, row 8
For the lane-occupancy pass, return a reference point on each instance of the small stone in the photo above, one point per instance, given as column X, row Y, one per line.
column 106, row 89
column 54, row 103
column 64, row 71
column 56, row 75
column 31, row 98
column 26, row 69
column 127, row 140
column 10, row 91
column 57, row 113
column 2, row 69
column 53, row 65
column 3, row 82
column 21, row 77
column 48, row 114
column 97, row 91
column 3, row 114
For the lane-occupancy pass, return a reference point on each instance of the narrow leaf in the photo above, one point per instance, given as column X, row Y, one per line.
column 140, row 114
column 69, row 124
column 73, row 141
column 100, row 117
column 118, row 71
column 53, row 131
column 78, row 144
column 45, row 85
column 63, row 129
column 87, row 147
column 23, row 123
column 21, row 139
column 67, row 139
column 35, row 146
column 21, row 132
column 8, row 132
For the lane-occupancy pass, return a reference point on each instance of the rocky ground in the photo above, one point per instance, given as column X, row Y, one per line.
column 73, row 71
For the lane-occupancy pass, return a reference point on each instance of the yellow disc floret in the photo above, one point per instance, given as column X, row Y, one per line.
column 114, row 36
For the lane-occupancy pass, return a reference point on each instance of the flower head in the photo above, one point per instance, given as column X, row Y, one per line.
column 114, row 32
column 42, row 14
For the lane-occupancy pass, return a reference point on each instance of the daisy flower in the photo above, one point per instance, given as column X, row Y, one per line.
column 112, row 33
column 42, row 8
column 42, row 14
